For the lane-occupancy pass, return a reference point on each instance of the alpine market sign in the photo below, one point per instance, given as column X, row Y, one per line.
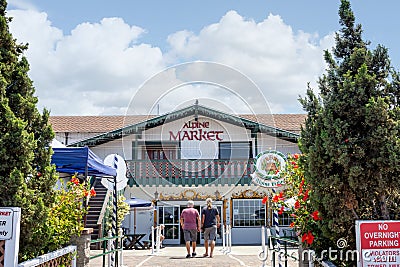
column 195, row 130
column 6, row 223
column 378, row 243
column 269, row 168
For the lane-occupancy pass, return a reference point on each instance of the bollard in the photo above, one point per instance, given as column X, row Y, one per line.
column 264, row 252
column 158, row 242
column 152, row 239
column 109, row 247
column 121, row 257
column 223, row 237
column 230, row 238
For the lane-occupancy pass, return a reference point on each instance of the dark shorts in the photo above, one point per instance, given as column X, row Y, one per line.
column 190, row 235
column 210, row 233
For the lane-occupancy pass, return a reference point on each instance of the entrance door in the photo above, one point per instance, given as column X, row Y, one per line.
column 198, row 234
column 169, row 216
column 219, row 233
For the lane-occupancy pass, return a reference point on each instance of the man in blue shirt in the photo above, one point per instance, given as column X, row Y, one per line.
column 210, row 221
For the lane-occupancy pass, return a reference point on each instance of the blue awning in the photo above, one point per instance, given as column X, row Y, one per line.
column 138, row 203
column 79, row 160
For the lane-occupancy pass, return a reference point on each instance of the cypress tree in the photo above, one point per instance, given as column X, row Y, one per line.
column 351, row 136
column 26, row 177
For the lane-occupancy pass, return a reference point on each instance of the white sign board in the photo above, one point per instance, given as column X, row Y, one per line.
column 269, row 169
column 378, row 243
column 10, row 218
column 6, row 223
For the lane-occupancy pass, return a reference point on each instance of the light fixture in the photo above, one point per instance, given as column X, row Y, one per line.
column 217, row 195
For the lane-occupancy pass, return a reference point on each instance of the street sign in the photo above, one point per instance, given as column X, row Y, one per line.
column 6, row 223
column 378, row 243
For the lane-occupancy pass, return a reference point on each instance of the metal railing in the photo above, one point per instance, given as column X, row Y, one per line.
column 282, row 250
column 108, row 251
column 56, row 258
column 190, row 172
column 226, row 238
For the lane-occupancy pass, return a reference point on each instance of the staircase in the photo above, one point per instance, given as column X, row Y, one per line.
column 96, row 210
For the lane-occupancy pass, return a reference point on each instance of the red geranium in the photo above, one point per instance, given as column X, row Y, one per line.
column 75, row 180
column 308, row 237
column 92, row 192
column 305, row 197
column 280, row 211
column 264, row 200
column 315, row 215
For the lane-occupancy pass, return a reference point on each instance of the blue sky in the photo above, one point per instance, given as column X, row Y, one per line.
column 261, row 39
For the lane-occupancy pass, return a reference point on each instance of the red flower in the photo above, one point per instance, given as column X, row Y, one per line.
column 75, row 180
column 275, row 199
column 295, row 166
column 300, row 191
column 85, row 193
column 92, row 192
column 277, row 171
column 315, row 215
column 308, row 237
column 296, row 156
column 281, row 195
column 264, row 200
column 280, row 211
column 297, row 204
column 39, row 174
column 291, row 225
column 305, row 197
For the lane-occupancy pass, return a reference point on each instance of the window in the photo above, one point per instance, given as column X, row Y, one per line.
column 235, row 150
column 248, row 212
column 285, row 219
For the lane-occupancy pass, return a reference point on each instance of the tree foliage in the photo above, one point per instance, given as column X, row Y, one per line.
column 350, row 138
column 26, row 176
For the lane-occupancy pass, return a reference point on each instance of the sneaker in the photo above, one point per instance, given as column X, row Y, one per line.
column 188, row 256
column 194, row 254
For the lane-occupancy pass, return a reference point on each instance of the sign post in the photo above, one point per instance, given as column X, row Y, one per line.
column 269, row 167
column 9, row 231
column 378, row 243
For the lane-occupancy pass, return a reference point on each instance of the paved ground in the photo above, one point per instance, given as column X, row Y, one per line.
column 240, row 256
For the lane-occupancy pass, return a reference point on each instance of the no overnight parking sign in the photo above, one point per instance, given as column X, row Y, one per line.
column 378, row 243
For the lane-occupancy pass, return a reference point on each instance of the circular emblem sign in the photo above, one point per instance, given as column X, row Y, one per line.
column 269, row 167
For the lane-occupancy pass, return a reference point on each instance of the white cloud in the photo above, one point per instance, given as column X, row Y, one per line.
column 278, row 60
column 93, row 70
column 98, row 67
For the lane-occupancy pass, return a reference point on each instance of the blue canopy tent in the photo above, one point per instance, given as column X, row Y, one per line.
column 141, row 216
column 80, row 160
column 83, row 161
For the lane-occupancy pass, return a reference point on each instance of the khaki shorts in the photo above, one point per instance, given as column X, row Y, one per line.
column 190, row 235
column 210, row 233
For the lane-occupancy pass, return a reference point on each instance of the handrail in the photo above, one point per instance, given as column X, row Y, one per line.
column 103, row 208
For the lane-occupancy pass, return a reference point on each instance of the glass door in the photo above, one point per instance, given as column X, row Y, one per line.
column 169, row 216
column 219, row 230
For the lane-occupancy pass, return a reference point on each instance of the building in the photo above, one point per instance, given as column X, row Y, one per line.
column 192, row 153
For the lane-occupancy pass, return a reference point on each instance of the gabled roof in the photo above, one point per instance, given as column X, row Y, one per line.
column 264, row 123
